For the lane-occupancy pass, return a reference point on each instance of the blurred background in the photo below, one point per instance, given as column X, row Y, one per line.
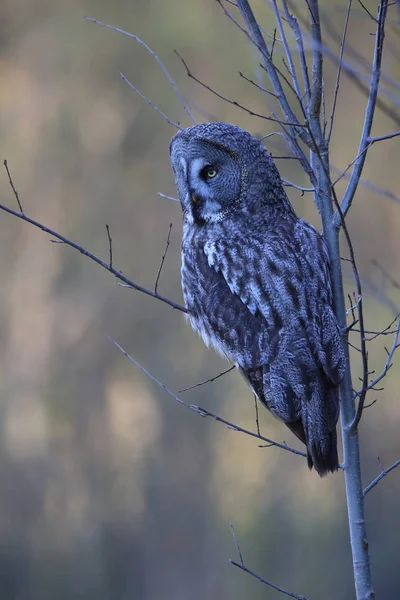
column 108, row 488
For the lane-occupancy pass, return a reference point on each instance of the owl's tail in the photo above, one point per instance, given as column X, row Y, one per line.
column 319, row 418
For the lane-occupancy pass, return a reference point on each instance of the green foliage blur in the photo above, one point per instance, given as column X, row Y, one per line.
column 108, row 489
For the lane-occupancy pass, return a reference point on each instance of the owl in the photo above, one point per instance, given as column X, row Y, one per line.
column 256, row 282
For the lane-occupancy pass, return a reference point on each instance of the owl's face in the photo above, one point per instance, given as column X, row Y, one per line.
column 222, row 170
column 208, row 177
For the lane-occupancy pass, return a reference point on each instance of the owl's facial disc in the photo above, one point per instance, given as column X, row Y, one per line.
column 208, row 179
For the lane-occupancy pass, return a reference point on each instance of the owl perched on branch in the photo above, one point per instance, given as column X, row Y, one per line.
column 256, row 282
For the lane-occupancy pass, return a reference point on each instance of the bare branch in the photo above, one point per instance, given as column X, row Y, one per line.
column 381, row 138
column 156, row 58
column 381, row 475
column 202, row 411
column 269, row 583
column 118, row 274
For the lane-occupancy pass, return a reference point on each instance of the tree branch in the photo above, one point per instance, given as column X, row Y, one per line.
column 381, row 475
column 268, row 583
column 107, row 266
column 205, row 413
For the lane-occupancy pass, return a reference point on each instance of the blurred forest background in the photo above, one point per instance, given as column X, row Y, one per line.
column 108, row 489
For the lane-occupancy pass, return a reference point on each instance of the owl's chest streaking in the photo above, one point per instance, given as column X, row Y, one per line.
column 215, row 313
column 203, row 290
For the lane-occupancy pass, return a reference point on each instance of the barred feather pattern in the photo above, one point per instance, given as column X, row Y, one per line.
column 256, row 282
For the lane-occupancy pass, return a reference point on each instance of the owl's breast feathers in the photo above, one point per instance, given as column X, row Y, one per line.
column 261, row 295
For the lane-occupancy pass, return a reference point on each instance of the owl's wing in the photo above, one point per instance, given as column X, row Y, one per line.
column 284, row 281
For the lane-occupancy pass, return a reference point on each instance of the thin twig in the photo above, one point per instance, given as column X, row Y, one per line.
column 110, row 249
column 388, row 276
column 156, row 58
column 257, row 417
column 258, row 86
column 371, row 385
column 211, row 380
column 236, row 543
column 163, row 259
column 13, row 187
column 344, row 173
column 381, row 475
column 369, row 113
column 149, row 102
column 288, row 52
column 339, row 71
column 294, row 25
column 269, row 583
column 369, row 185
column 202, row 411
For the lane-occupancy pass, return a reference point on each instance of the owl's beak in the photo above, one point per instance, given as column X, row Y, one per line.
column 195, row 199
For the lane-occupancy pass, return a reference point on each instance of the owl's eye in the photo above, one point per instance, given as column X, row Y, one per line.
column 209, row 172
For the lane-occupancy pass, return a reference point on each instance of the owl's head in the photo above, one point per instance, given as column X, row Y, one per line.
column 221, row 169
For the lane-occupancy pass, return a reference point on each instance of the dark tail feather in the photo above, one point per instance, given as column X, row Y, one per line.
column 321, row 453
column 319, row 418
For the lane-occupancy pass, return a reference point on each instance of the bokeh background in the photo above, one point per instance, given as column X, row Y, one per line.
column 109, row 490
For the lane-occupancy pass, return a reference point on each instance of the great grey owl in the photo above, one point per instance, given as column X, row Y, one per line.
column 256, row 281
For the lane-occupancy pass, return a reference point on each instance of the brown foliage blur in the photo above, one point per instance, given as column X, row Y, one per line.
column 109, row 490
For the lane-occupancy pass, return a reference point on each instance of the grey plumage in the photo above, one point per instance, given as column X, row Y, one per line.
column 256, row 281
